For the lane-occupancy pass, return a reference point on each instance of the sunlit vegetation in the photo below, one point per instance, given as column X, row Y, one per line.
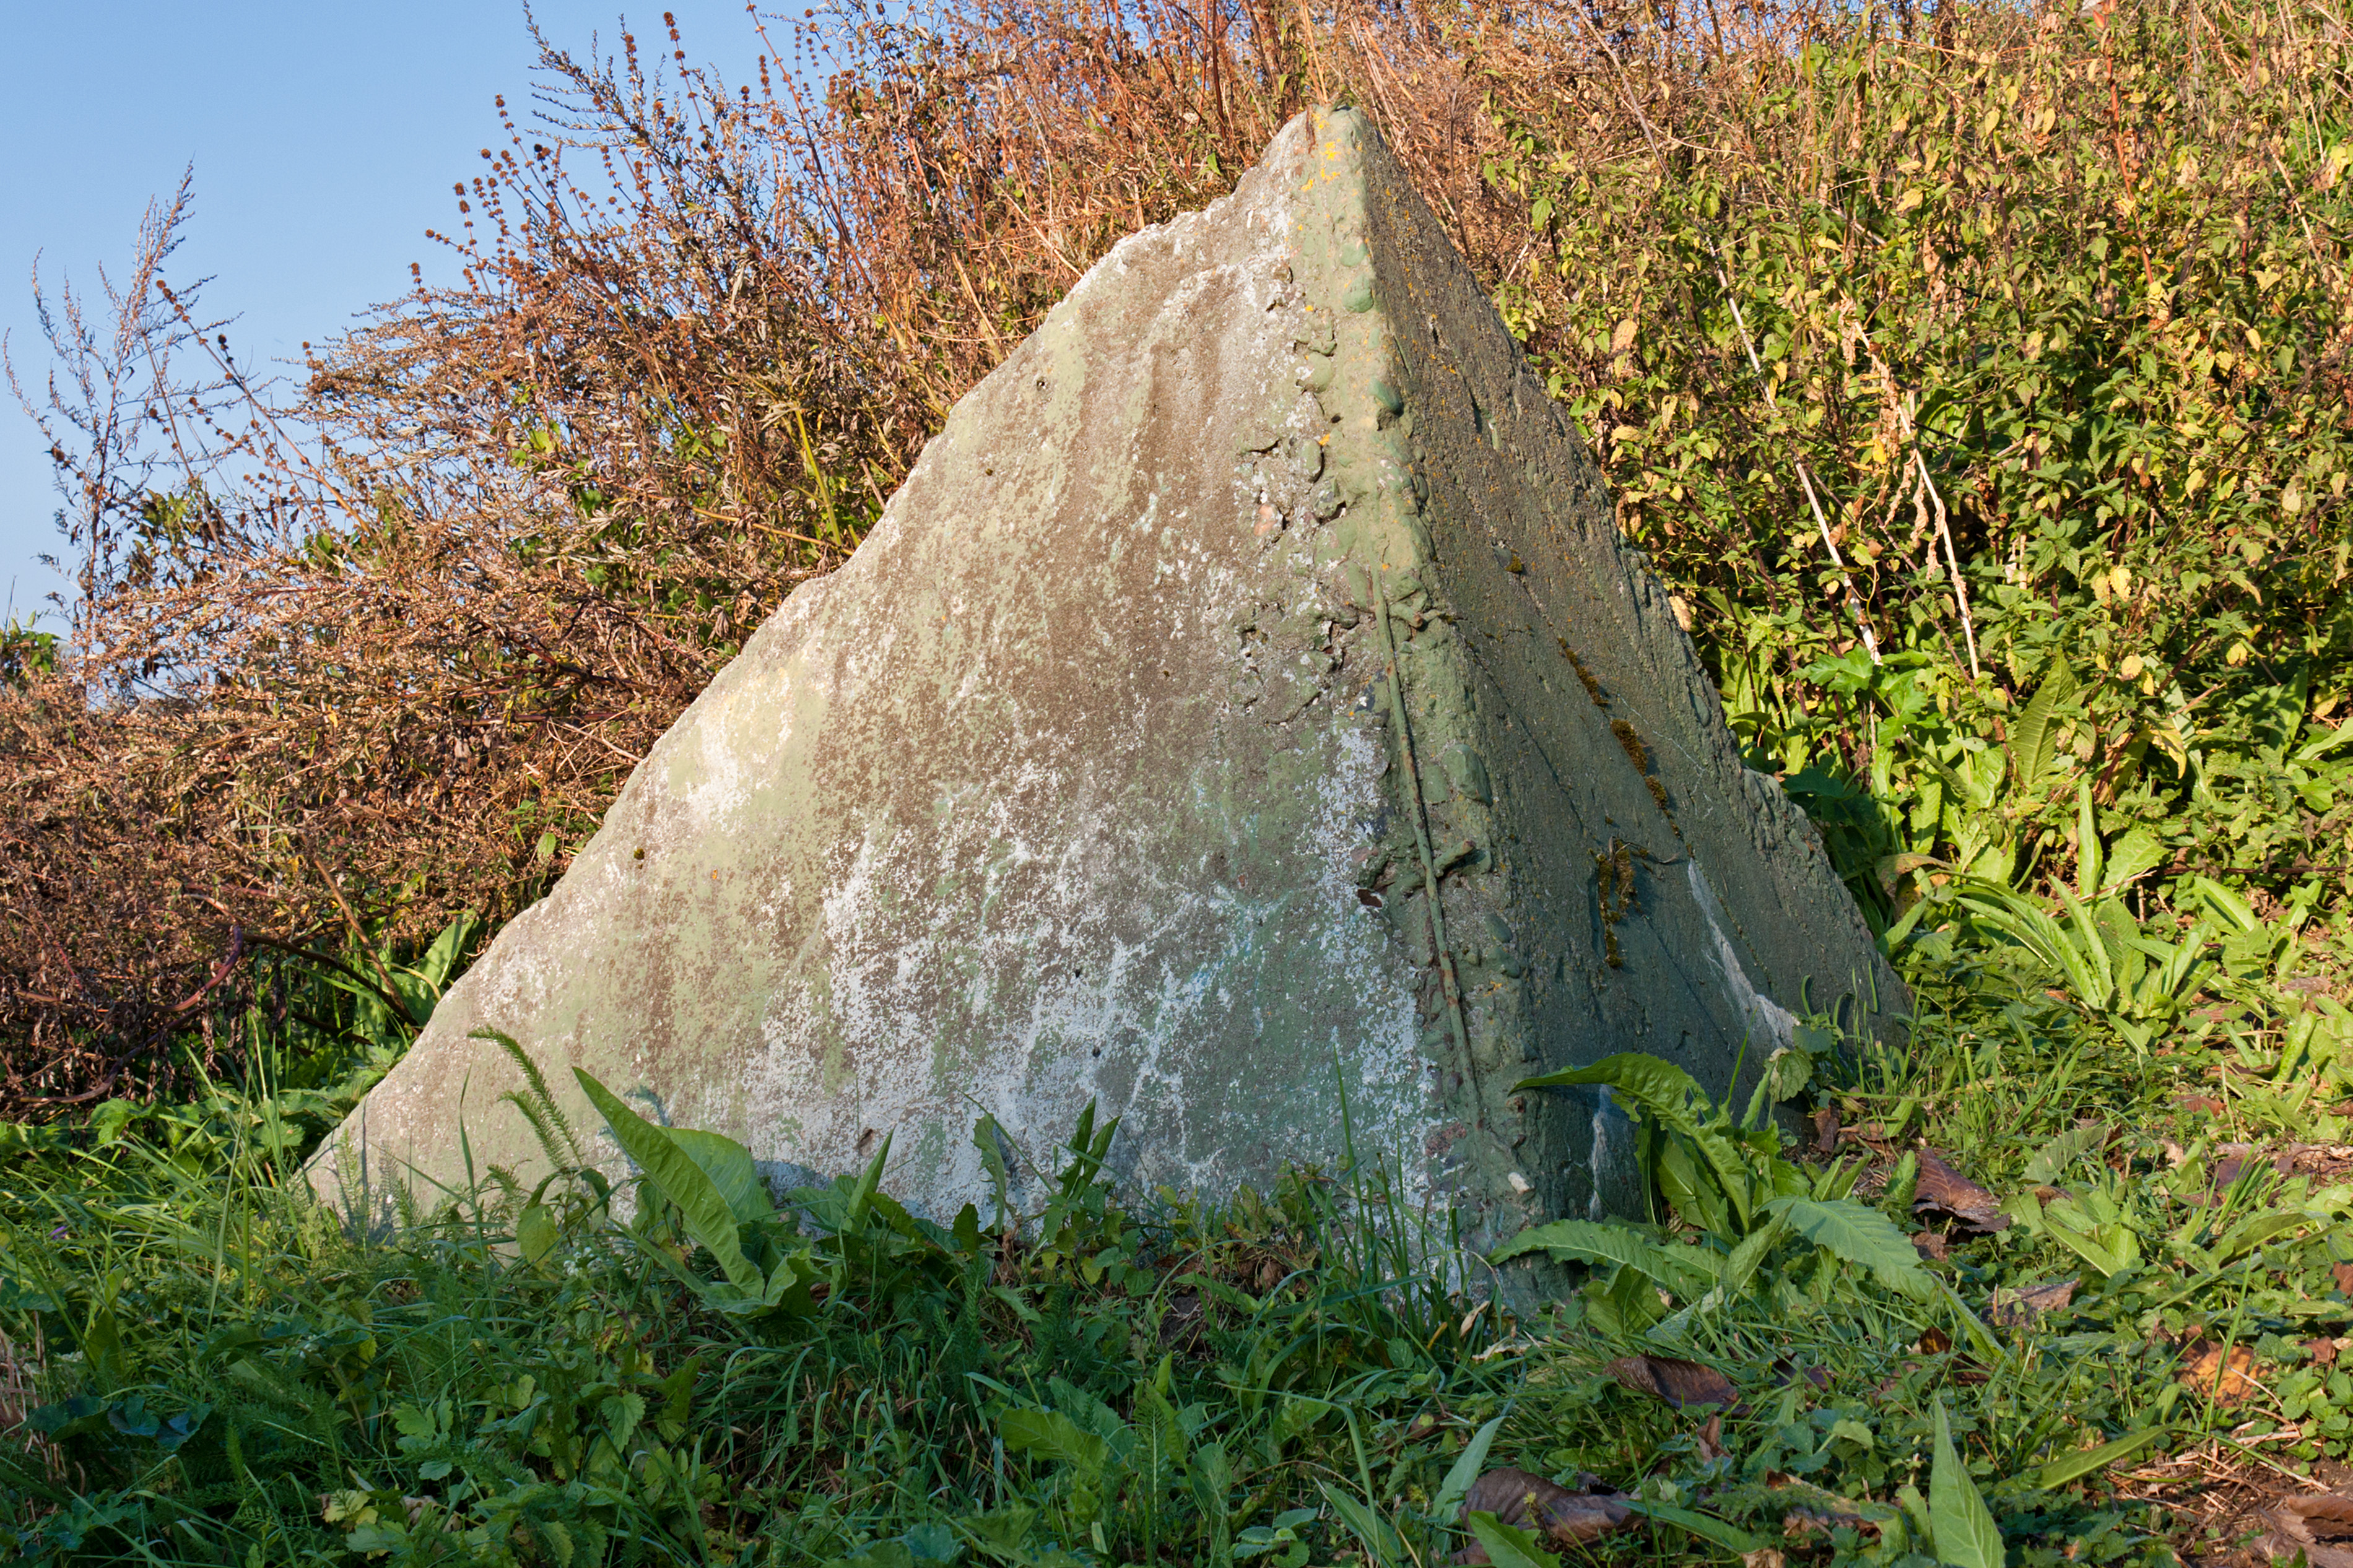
column 1976, row 377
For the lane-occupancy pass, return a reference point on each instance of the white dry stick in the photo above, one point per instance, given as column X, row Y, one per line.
column 1903, row 416
column 1952, row 560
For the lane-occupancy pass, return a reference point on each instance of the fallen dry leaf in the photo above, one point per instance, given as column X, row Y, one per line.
column 1528, row 1502
column 2231, row 1160
column 1822, row 1511
column 1826, row 1130
column 2322, row 1351
column 1895, row 1380
column 1932, row 1245
column 2320, row 1527
column 2343, row 1274
column 1786, row 1372
column 1945, row 1189
column 1709, row 1440
column 2199, row 1104
column 2013, row 1308
column 1682, row 1383
column 1763, row 1557
column 2207, row 1373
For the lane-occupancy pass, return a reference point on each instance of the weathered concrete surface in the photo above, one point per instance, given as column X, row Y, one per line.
column 1085, row 778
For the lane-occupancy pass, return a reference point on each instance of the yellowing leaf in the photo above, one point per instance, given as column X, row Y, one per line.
column 537, row 1233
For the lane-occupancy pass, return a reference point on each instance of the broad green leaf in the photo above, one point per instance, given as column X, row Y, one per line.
column 440, row 960
column 788, row 1290
column 861, row 1195
column 2320, row 746
column 1465, row 1471
column 2057, row 1157
column 1705, row 1526
column 2034, row 742
column 535, row 1233
column 2102, row 1256
column 1656, row 1085
column 1854, row 1432
column 933, row 1543
column 2075, row 951
column 2254, row 1230
column 1376, row 1535
column 1693, row 1188
column 1786, row 1071
column 112, row 1116
column 1002, row 1531
column 2071, row 1467
column 1668, row 1095
column 1861, row 1236
column 1054, row 1435
column 729, row 1165
column 674, row 1175
column 2226, row 905
column 1507, row 1547
column 1596, row 1241
column 1747, row 1257
column 1630, row 1305
column 1892, row 938
column 2090, row 858
column 2089, row 954
column 1966, row 1533
column 2137, row 851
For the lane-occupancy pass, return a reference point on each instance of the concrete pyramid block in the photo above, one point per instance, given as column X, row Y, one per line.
column 1259, row 591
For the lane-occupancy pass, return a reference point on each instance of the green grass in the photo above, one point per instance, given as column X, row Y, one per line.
column 222, row 1374
column 589, row 1407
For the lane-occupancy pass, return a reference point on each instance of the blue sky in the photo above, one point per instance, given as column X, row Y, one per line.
column 325, row 137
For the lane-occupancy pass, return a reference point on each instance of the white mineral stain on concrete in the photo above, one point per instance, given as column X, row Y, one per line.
column 1598, row 1157
column 1766, row 1016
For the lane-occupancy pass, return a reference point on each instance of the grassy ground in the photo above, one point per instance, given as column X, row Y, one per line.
column 216, row 1372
